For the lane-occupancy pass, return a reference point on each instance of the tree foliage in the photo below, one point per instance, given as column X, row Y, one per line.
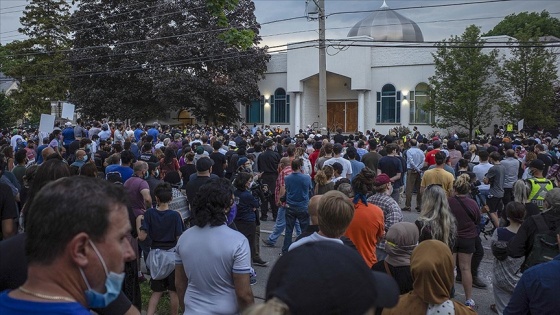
column 5, row 110
column 159, row 56
column 528, row 24
column 461, row 92
column 39, row 62
column 527, row 78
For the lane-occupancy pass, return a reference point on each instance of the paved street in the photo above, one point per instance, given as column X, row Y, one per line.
column 483, row 298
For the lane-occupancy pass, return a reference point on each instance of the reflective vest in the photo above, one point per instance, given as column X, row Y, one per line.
column 539, row 188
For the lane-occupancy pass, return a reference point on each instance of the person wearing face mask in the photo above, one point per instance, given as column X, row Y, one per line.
column 539, row 185
column 81, row 159
column 392, row 213
column 78, row 265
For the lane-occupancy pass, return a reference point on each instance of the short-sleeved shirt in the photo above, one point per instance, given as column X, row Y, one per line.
column 496, row 174
column 315, row 237
column 391, row 165
column 431, row 157
column 466, row 226
column 134, row 186
column 223, row 252
column 438, row 176
column 366, row 229
column 11, row 306
column 298, row 186
column 162, row 226
column 125, row 171
column 346, row 166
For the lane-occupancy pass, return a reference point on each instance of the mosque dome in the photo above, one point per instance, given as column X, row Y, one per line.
column 386, row 25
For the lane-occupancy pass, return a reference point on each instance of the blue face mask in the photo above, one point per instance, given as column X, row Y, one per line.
column 113, row 285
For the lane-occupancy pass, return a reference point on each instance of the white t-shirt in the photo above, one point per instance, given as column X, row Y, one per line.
column 346, row 166
column 315, row 237
column 480, row 170
column 210, row 257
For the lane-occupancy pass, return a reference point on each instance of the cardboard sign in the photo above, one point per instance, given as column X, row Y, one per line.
column 68, row 111
column 47, row 123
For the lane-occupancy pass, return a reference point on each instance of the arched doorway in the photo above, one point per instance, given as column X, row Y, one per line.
column 185, row 117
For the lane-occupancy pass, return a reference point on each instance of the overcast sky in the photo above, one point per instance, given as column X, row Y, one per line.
column 436, row 23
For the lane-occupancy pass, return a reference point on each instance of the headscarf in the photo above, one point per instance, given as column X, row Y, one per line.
column 402, row 238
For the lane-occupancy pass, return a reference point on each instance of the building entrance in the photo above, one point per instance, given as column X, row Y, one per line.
column 343, row 115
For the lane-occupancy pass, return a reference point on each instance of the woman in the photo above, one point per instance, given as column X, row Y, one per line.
column 435, row 220
column 216, row 279
column 245, row 219
column 323, row 180
column 300, row 154
column 9, row 157
column 474, row 158
column 189, row 168
column 431, row 266
column 401, row 240
column 506, row 269
column 168, row 163
column 163, row 226
column 467, row 217
column 521, row 193
column 529, row 157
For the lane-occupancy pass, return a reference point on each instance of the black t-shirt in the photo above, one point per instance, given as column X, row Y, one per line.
column 402, row 275
column 186, row 171
column 268, row 162
column 193, row 186
column 547, row 160
column 148, row 158
column 339, row 138
column 219, row 160
column 99, row 158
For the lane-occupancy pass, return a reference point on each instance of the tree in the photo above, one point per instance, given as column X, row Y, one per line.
column 527, row 79
column 5, row 107
column 39, row 62
column 532, row 24
column 461, row 92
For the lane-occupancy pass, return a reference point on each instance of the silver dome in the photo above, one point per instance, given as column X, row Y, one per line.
column 386, row 25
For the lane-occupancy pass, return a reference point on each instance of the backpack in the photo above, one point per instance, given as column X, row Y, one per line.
column 545, row 245
column 114, row 177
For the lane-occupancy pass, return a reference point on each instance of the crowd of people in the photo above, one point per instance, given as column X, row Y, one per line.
column 82, row 206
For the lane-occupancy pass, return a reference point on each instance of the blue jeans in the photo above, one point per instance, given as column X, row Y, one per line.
column 292, row 216
column 280, row 225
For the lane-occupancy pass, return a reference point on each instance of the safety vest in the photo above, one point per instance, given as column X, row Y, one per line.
column 539, row 188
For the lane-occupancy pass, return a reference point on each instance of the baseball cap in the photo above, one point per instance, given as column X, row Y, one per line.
column 553, row 197
column 203, row 164
column 321, row 277
column 538, row 164
column 382, row 179
column 68, row 124
column 242, row 161
column 232, row 144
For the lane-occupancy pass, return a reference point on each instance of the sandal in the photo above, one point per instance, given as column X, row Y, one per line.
column 493, row 308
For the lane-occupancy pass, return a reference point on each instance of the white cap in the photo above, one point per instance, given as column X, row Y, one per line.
column 68, row 124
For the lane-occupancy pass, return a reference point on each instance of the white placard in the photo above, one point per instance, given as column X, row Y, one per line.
column 47, row 123
column 520, row 124
column 68, row 111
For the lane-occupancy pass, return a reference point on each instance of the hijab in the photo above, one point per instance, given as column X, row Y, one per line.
column 402, row 238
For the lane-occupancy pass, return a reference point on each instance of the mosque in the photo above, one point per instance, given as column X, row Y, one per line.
column 379, row 81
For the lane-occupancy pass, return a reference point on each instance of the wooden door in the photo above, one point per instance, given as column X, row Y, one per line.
column 351, row 117
column 335, row 115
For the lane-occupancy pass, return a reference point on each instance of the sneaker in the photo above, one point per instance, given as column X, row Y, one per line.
column 470, row 303
column 478, row 283
column 267, row 243
column 253, row 280
column 405, row 209
column 259, row 262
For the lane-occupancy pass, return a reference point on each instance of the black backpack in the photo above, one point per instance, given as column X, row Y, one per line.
column 545, row 245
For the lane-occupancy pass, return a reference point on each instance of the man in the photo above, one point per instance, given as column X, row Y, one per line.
column 298, row 189
column 138, row 189
column 20, row 160
column 339, row 137
column 544, row 156
column 216, row 280
column 202, row 175
column 414, row 163
column 154, row 132
column 357, row 166
column 78, row 264
column 480, row 171
column 268, row 164
column 513, row 171
column 138, row 131
column 346, row 166
column 371, row 159
column 392, row 166
column 495, row 178
column 79, row 131
column 335, row 212
column 220, row 162
column 431, row 155
column 391, row 211
column 68, row 134
column 124, row 168
column 314, row 156
column 153, row 180
column 537, row 291
column 539, row 185
column 81, row 159
column 438, row 176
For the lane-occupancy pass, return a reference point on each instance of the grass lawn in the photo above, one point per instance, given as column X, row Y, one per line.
column 163, row 304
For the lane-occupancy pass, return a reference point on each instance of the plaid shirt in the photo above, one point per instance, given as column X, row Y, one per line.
column 391, row 211
column 280, row 181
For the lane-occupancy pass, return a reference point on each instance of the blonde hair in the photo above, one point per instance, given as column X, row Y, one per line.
column 521, row 191
column 299, row 152
column 473, row 148
column 436, row 215
column 462, row 184
column 324, row 175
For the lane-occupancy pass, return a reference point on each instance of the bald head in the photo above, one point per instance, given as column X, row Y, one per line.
column 80, row 155
column 313, row 209
column 285, row 161
column 46, row 152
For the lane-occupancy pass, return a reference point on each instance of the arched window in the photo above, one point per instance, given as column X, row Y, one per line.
column 280, row 103
column 418, row 98
column 254, row 112
column 388, row 105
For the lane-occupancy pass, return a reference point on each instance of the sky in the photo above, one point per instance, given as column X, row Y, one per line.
column 436, row 23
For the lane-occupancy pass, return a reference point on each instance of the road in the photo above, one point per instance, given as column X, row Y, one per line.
column 482, row 297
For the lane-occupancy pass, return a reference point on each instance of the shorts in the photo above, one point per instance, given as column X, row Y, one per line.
column 494, row 204
column 465, row 245
column 167, row 284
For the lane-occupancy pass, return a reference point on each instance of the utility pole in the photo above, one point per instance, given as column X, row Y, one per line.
column 322, row 67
